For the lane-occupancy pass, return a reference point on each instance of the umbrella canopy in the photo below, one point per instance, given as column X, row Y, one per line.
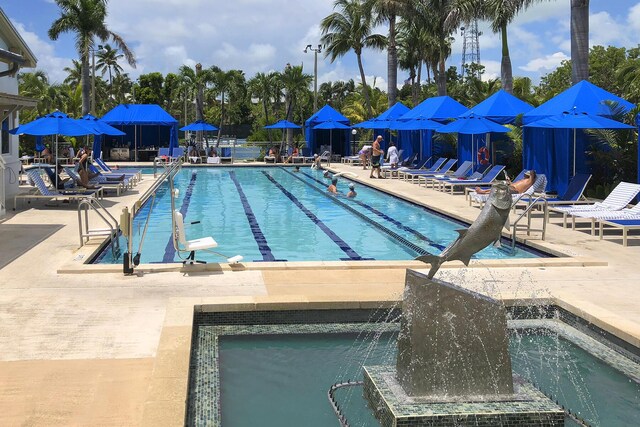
column 501, row 107
column 56, row 123
column 367, row 124
column 418, row 123
column 577, row 120
column 585, row 96
column 331, row 124
column 283, row 124
column 199, row 125
column 473, row 125
column 100, row 127
column 436, row 108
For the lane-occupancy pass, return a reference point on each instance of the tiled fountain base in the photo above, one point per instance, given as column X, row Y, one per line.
column 528, row 406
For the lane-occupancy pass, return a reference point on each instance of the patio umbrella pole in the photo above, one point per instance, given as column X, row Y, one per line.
column 330, row 146
column 55, row 166
column 574, row 151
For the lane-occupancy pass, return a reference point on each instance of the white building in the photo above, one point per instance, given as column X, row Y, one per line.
column 14, row 54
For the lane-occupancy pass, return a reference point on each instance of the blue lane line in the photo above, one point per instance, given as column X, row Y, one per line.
column 169, row 250
column 395, row 222
column 353, row 255
column 263, row 246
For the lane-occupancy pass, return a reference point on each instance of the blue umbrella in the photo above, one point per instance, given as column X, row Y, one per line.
column 282, row 124
column 473, row 125
column 199, row 125
column 331, row 125
column 56, row 123
column 501, row 107
column 101, row 128
column 577, row 120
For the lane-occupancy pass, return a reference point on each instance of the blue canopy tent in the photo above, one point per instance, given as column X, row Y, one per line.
column 440, row 109
column 331, row 125
column 549, row 150
column 160, row 127
column 417, row 124
column 471, row 125
column 319, row 137
column 501, row 107
column 384, row 122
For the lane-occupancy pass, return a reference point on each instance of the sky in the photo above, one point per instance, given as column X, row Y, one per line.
column 263, row 36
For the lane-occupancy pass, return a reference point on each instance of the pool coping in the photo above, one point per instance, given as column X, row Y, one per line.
column 166, row 402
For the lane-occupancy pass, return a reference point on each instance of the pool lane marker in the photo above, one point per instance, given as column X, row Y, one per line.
column 408, row 246
column 170, row 250
column 395, row 222
column 259, row 237
column 353, row 255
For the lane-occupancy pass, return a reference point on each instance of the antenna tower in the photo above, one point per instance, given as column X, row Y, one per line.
column 470, row 45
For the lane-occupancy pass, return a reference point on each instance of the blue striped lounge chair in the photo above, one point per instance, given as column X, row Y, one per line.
column 472, row 181
column 623, row 224
column 618, row 199
column 417, row 174
column 402, row 172
column 104, row 168
column 105, row 184
column 463, row 170
column 632, row 213
column 44, row 192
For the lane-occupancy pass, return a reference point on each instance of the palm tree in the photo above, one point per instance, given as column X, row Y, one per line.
column 225, row 82
column 388, row 11
column 122, row 87
column 500, row 13
column 86, row 18
column 108, row 62
column 74, row 72
column 35, row 85
column 295, row 83
column 350, row 29
column 579, row 40
column 260, row 86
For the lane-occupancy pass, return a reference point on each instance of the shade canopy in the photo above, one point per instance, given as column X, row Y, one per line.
column 199, row 125
column 367, row 124
column 317, row 138
column 100, row 127
column 578, row 120
column 283, row 124
column 331, row 124
column 584, row 96
column 473, row 125
column 501, row 107
column 56, row 123
column 418, row 123
column 436, row 108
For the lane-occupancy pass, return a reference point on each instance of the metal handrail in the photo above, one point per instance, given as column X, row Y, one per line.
column 85, row 232
column 527, row 211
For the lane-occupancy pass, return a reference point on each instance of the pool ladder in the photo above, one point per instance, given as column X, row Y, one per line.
column 334, row 404
column 87, row 233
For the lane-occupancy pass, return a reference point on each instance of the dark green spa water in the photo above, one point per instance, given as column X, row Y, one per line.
column 282, row 380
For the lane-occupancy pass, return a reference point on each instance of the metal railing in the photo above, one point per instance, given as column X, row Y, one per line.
column 334, row 403
column 532, row 203
column 86, row 232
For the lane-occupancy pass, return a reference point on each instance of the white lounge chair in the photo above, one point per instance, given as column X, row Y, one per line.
column 44, row 192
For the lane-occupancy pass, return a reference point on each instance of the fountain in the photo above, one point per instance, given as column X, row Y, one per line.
column 453, row 366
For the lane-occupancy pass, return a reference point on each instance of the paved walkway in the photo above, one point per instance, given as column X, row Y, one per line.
column 80, row 348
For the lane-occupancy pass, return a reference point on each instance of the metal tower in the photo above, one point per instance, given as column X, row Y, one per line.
column 470, row 45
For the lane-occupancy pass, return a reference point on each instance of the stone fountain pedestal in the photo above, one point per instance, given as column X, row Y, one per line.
column 453, row 366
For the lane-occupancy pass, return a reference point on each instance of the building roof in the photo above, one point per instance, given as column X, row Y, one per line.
column 15, row 42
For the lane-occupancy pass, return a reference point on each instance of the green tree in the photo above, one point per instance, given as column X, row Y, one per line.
column 350, row 28
column 260, row 86
column 226, row 83
column 150, row 88
column 107, row 62
column 86, row 18
column 74, row 73
column 295, row 84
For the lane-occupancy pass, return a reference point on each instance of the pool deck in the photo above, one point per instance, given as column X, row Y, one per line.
column 85, row 344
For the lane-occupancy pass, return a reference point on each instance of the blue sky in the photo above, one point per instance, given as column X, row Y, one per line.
column 262, row 36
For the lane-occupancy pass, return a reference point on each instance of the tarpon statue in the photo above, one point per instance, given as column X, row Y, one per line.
column 486, row 229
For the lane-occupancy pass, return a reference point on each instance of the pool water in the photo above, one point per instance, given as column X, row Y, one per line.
column 278, row 380
column 277, row 214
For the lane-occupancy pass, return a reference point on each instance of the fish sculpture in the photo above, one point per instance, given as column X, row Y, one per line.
column 485, row 230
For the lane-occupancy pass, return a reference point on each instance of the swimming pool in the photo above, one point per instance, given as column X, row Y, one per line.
column 277, row 214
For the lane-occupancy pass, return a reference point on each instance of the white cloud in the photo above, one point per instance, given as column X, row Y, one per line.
column 633, row 18
column 491, row 70
column 546, row 63
column 44, row 52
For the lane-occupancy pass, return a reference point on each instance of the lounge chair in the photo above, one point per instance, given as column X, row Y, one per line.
column 325, row 156
column 164, row 154
column 271, row 159
column 403, row 171
column 307, row 156
column 119, row 186
column 104, row 168
column 191, row 246
column 618, row 199
column 226, row 157
column 538, row 187
column 477, row 178
column 468, row 192
column 407, row 161
column 624, row 224
column 44, row 192
column 129, row 180
column 176, row 154
column 632, row 213
column 463, row 170
column 414, row 175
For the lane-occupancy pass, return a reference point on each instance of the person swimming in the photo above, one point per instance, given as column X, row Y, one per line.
column 352, row 192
